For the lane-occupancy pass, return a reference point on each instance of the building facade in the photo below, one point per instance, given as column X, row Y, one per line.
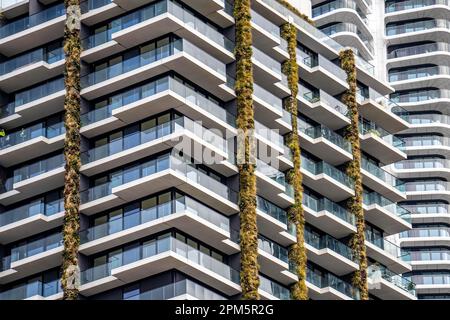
column 160, row 222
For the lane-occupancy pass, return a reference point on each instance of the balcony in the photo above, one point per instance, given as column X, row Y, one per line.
column 182, row 290
column 176, row 133
column 30, row 68
column 427, row 144
column 420, row 77
column 324, row 143
column 386, row 214
column 435, row 53
column 429, row 212
column 31, row 142
column 268, row 107
column 423, row 168
column 270, row 290
column 430, row 259
column 273, row 261
column 35, row 290
column 178, row 55
column 185, row 214
column 153, row 21
column 432, row 283
column 154, row 176
column 33, row 179
column 96, row 11
column 326, row 286
column 424, row 237
column 380, row 144
column 419, row 30
column 382, row 181
column 387, row 285
column 14, row 8
column 330, row 181
column 32, row 257
column 28, row 105
column 323, row 108
column 328, row 216
column 30, row 219
column 330, row 253
column 267, row 72
column 317, row 70
column 422, row 123
column 398, row 6
column 428, row 190
column 32, row 31
column 155, row 257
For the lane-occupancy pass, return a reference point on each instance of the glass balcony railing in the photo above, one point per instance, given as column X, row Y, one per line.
column 416, row 26
column 427, row 186
column 31, row 209
column 423, row 141
column 35, row 131
column 327, row 99
column 431, row 279
column 437, row 232
column 269, row 134
column 425, row 119
column 273, row 248
column 183, row 204
column 383, row 175
column 153, row 88
column 326, row 241
column 322, row 131
column 271, row 209
column 154, row 166
column 172, row 290
column 424, row 163
column 372, row 128
column 428, row 208
column 151, row 11
column 157, row 246
column 265, row 24
column 32, row 21
column 394, row 6
column 418, row 73
column 375, row 271
column 324, row 280
column 376, row 198
column 266, row 61
column 387, row 246
column 351, row 28
column 33, row 170
column 419, row 49
column 267, row 97
column 430, row 255
column 133, row 63
column 93, row 4
column 141, row 137
column 274, row 288
column 32, row 248
column 35, row 288
column 325, row 204
column 275, row 175
column 324, row 168
column 41, row 54
column 31, row 95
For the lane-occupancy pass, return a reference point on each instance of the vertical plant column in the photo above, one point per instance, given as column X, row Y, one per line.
column 297, row 252
column 71, row 226
column 249, row 277
column 355, row 203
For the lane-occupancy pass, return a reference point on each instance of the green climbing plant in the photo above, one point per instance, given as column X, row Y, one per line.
column 355, row 203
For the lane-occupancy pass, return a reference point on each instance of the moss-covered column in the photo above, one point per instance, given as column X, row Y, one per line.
column 355, row 204
column 297, row 252
column 71, row 225
column 249, row 277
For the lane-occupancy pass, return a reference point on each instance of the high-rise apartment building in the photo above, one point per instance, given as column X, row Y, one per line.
column 157, row 223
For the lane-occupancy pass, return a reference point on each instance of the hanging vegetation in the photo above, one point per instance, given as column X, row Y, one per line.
column 297, row 252
column 296, row 11
column 355, row 203
column 249, row 277
column 71, row 225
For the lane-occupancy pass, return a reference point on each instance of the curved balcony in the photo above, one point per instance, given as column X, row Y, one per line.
column 32, row 257
column 420, row 30
column 429, row 212
column 32, row 31
column 436, row 52
column 385, row 213
column 398, row 6
column 423, row 168
column 330, row 181
column 185, row 214
column 31, row 142
column 179, row 55
column 420, row 77
column 350, row 35
column 33, row 179
column 427, row 144
column 428, row 190
column 423, row 237
column 30, row 68
column 35, row 290
column 425, row 122
column 28, row 105
column 387, row 285
column 432, row 282
column 32, row 218
column 152, row 21
column 157, row 256
column 156, row 175
column 416, row 9
column 330, row 253
column 328, row 216
column 430, row 259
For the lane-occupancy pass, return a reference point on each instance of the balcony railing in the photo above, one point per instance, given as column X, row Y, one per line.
column 35, row 288
column 31, row 209
column 155, row 166
column 428, row 208
column 387, row 246
column 430, row 255
column 133, row 63
column 326, row 241
column 416, row 26
column 267, row 97
column 372, row 128
column 420, row 119
column 431, row 279
column 265, row 24
column 8, row 3
column 418, row 49
column 32, row 21
column 383, row 175
column 26, row 134
column 266, row 60
column 151, row 11
column 322, row 131
column 427, row 186
column 394, row 6
column 327, row 169
column 33, row 170
column 426, row 232
column 403, row 283
column 418, row 73
column 422, row 141
column 392, row 207
column 183, row 204
column 273, row 248
column 351, row 28
column 271, row 209
column 325, row 204
column 172, row 290
column 320, row 95
column 41, row 54
column 274, row 288
column 424, row 163
column 155, row 247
